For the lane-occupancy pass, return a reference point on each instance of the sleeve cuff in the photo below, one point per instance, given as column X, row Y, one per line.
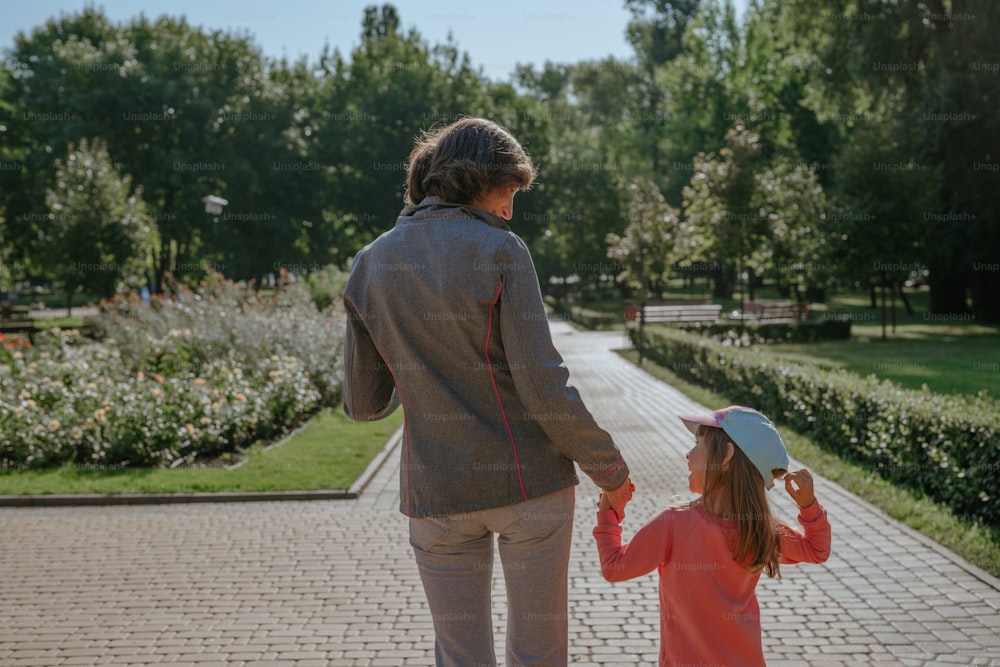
column 607, row 518
column 811, row 512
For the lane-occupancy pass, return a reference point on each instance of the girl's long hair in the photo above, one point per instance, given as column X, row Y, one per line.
column 740, row 488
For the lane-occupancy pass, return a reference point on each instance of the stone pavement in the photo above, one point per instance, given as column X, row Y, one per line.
column 302, row 584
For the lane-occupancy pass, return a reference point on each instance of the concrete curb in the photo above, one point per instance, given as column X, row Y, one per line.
column 361, row 483
column 102, row 499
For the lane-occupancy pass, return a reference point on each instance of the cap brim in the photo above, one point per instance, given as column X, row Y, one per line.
column 694, row 421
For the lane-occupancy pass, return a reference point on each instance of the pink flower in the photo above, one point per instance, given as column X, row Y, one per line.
column 158, row 378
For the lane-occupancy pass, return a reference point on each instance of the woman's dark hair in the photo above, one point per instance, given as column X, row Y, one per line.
column 469, row 158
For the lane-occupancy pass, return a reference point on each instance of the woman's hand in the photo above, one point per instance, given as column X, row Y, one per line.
column 617, row 500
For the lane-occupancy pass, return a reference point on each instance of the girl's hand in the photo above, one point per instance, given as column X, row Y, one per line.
column 799, row 485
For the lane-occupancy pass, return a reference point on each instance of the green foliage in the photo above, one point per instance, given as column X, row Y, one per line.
column 97, row 229
column 311, row 155
column 222, row 319
column 911, row 91
column 947, row 447
column 797, row 244
column 718, row 204
column 330, row 452
column 753, row 333
column 187, row 113
column 654, row 241
column 327, row 285
column 585, row 317
column 395, row 86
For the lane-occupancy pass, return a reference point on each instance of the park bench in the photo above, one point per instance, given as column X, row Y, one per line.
column 674, row 313
column 774, row 311
column 17, row 320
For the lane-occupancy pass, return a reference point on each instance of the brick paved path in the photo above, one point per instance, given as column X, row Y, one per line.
column 298, row 584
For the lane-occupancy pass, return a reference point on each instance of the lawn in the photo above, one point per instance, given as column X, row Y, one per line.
column 954, row 359
column 330, row 452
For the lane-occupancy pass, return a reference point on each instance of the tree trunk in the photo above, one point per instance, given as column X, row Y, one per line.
column 984, row 283
column 947, row 290
column 905, row 299
column 722, row 283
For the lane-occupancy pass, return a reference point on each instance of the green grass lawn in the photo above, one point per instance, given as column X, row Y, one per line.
column 959, row 359
column 978, row 544
column 329, row 453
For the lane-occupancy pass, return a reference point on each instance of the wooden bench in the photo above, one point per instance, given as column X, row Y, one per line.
column 675, row 313
column 775, row 311
column 17, row 320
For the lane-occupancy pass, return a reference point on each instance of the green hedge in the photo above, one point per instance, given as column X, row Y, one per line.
column 591, row 319
column 773, row 332
column 945, row 446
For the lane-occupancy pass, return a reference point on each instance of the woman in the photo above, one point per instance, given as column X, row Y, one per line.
column 446, row 319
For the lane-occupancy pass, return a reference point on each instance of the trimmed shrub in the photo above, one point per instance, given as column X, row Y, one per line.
column 772, row 332
column 945, row 446
column 591, row 319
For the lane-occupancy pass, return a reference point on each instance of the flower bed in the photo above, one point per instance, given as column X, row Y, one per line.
column 945, row 446
column 180, row 378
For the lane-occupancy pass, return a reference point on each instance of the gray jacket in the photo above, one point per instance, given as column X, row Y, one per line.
column 446, row 318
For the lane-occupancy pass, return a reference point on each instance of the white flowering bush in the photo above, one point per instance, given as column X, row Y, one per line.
column 187, row 329
column 185, row 377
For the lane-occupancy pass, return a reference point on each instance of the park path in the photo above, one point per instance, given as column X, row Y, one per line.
column 332, row 583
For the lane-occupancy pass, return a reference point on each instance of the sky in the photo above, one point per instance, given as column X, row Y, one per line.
column 496, row 35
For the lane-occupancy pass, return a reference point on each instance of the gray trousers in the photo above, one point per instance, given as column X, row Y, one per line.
column 454, row 554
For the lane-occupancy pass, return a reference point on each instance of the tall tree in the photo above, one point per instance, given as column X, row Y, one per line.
column 655, row 240
column 657, row 31
column 175, row 104
column 97, row 232
column 916, row 77
column 718, row 202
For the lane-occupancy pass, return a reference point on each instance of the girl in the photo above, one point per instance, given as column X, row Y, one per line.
column 710, row 552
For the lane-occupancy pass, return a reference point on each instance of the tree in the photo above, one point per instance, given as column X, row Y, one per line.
column 98, row 231
column 581, row 193
column 789, row 196
column 916, row 77
column 658, row 32
column 718, row 204
column 654, row 241
column 184, row 111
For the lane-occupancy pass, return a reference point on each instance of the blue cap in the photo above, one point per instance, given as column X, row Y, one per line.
column 752, row 432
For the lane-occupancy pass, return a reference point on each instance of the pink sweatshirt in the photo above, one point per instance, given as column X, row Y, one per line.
column 708, row 608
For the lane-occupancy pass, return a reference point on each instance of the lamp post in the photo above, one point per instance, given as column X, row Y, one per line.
column 213, row 206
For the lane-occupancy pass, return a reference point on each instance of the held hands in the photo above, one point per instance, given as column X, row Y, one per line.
column 617, row 499
column 799, row 485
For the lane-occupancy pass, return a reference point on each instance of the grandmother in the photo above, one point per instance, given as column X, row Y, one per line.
column 446, row 319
